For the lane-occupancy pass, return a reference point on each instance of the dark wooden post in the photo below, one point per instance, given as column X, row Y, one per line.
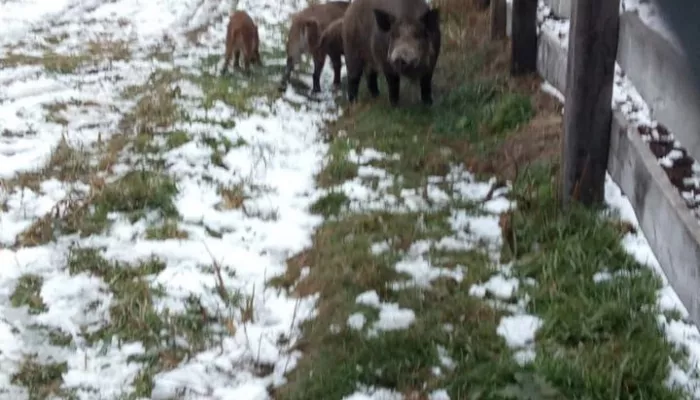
column 524, row 37
column 499, row 18
column 590, row 72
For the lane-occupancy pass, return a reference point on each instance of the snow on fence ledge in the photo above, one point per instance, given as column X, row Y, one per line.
column 652, row 97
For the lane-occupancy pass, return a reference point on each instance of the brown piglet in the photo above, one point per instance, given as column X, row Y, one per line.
column 332, row 44
column 241, row 37
column 304, row 37
column 395, row 37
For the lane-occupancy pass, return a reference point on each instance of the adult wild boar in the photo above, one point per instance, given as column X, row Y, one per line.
column 304, row 37
column 331, row 43
column 396, row 37
column 241, row 37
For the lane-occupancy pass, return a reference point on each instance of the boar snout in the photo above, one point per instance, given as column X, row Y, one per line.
column 404, row 59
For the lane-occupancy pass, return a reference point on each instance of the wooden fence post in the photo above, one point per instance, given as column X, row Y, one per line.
column 593, row 39
column 524, row 37
column 499, row 17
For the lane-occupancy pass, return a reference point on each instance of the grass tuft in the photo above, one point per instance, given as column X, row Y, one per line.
column 41, row 380
column 134, row 195
column 167, row 229
column 28, row 293
column 156, row 108
column 95, row 52
column 330, row 204
column 68, row 163
column 168, row 337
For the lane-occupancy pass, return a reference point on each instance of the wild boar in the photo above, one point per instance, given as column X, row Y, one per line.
column 332, row 44
column 396, row 37
column 304, row 37
column 241, row 37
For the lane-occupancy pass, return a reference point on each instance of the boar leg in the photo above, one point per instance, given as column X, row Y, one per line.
column 287, row 71
column 237, row 59
column 256, row 56
column 373, row 83
column 354, row 70
column 394, row 83
column 319, row 62
column 227, row 60
column 249, row 56
column 337, row 65
column 426, row 89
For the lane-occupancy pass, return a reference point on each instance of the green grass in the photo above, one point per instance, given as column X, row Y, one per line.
column 168, row 337
column 28, row 293
column 41, row 379
column 133, row 195
column 598, row 340
column 167, row 229
column 342, row 267
column 176, row 139
column 147, row 131
column 148, row 187
column 156, row 108
column 338, row 168
column 475, row 112
column 68, row 63
column 220, row 146
column 67, row 162
column 237, row 88
column 601, row 339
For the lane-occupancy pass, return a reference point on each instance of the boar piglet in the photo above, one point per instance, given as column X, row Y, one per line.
column 396, row 37
column 241, row 37
column 305, row 34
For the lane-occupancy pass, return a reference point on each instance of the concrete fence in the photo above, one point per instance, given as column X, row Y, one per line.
column 658, row 69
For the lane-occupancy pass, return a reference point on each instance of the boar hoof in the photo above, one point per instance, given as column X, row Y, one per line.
column 373, row 84
column 426, row 90
column 393, row 82
column 353, row 88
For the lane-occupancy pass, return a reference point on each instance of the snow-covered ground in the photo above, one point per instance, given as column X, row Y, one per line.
column 278, row 151
column 282, row 153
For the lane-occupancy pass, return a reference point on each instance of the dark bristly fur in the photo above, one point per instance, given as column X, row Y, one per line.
column 332, row 45
column 395, row 37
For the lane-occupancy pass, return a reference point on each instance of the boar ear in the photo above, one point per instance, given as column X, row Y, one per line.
column 431, row 20
column 311, row 32
column 384, row 20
